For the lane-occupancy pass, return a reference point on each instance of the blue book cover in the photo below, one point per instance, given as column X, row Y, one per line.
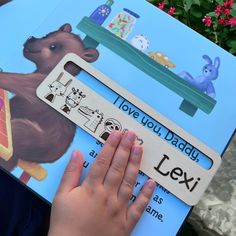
column 174, row 70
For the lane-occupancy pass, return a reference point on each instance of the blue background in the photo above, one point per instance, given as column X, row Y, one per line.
column 23, row 18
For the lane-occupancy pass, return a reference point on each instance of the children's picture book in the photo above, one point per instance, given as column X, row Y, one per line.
column 74, row 71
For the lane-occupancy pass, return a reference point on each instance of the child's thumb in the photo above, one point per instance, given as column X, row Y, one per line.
column 71, row 176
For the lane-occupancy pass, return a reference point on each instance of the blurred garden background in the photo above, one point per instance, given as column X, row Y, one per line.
column 214, row 19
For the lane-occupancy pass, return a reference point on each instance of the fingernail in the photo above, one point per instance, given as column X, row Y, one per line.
column 138, row 151
column 74, row 156
column 151, row 184
column 130, row 136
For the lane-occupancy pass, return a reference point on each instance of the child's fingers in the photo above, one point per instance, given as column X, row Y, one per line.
column 116, row 171
column 131, row 174
column 101, row 165
column 71, row 176
column 136, row 210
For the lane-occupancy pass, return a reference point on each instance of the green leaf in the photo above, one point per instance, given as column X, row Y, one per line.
column 232, row 29
column 233, row 6
column 232, row 50
column 197, row 2
column 179, row 12
column 233, row 13
column 232, row 43
column 207, row 5
column 208, row 30
column 220, row 1
column 196, row 13
column 212, row 14
column 188, row 4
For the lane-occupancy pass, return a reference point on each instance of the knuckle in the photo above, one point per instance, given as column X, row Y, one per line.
column 128, row 184
column 136, row 214
column 145, row 197
column 92, row 174
column 113, row 206
column 90, row 190
column 114, row 211
column 126, row 146
column 126, row 193
column 111, row 143
column 101, row 161
column 140, row 207
column 117, row 167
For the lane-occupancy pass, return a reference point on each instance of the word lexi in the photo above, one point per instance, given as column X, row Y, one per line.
column 177, row 174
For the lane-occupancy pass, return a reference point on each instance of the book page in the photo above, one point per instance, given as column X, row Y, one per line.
column 178, row 73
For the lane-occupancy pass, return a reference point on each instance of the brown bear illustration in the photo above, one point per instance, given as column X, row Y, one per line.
column 41, row 134
column 2, row 2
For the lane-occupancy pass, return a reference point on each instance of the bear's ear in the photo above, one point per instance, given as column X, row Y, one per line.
column 90, row 54
column 66, row 28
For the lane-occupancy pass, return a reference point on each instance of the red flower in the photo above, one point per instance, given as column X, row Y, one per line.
column 171, row 11
column 207, row 21
column 226, row 11
column 161, row 5
column 226, row 22
column 228, row 3
column 232, row 21
column 218, row 9
column 224, row 8
column 221, row 21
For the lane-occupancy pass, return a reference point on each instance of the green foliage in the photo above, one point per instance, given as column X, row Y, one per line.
column 192, row 12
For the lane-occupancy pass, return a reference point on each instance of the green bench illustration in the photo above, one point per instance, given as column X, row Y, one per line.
column 193, row 99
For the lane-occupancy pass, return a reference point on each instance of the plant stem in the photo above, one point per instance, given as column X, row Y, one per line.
column 215, row 34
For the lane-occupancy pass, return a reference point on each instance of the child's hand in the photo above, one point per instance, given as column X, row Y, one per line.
column 100, row 205
column 1, row 104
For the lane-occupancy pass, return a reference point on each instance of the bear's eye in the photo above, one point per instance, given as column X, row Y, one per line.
column 53, row 47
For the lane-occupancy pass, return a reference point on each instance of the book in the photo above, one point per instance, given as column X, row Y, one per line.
column 183, row 82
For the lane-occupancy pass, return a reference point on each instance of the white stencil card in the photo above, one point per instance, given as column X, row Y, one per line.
column 86, row 108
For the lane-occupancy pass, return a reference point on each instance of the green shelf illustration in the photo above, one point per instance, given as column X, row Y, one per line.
column 193, row 99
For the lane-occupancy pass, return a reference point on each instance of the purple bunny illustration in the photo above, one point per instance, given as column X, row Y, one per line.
column 203, row 82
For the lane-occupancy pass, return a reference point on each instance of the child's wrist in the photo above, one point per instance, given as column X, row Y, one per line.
column 62, row 232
